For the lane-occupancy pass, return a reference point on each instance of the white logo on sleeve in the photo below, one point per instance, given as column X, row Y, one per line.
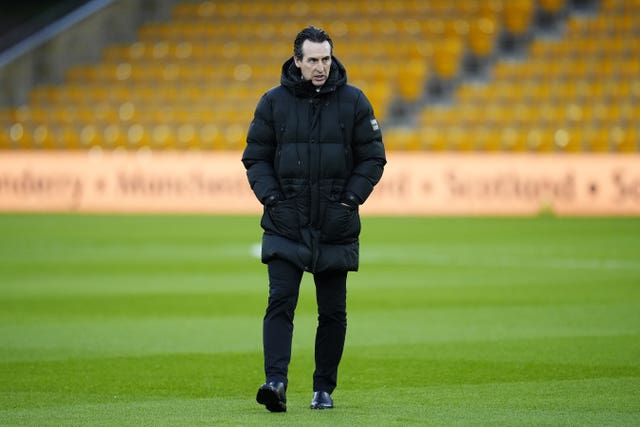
column 374, row 124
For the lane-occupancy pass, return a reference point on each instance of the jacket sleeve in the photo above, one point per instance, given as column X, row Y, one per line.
column 368, row 152
column 259, row 153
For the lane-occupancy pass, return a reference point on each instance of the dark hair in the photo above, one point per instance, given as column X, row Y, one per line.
column 313, row 34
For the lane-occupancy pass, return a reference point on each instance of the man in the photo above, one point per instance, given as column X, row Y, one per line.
column 314, row 153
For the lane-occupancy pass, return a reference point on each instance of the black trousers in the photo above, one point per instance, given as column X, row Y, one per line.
column 331, row 297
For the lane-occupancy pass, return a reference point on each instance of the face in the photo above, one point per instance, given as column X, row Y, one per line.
column 315, row 62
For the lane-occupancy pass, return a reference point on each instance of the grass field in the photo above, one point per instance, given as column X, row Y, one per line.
column 156, row 320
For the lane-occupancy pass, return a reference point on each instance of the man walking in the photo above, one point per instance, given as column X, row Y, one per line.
column 314, row 153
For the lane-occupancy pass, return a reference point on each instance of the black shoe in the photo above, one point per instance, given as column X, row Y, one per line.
column 321, row 400
column 272, row 395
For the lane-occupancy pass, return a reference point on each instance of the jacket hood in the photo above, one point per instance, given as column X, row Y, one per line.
column 292, row 79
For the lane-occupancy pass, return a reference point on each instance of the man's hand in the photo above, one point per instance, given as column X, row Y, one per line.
column 272, row 200
column 349, row 200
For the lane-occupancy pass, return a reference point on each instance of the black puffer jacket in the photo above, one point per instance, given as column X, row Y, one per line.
column 307, row 151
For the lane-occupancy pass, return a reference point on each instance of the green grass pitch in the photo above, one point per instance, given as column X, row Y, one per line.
column 156, row 320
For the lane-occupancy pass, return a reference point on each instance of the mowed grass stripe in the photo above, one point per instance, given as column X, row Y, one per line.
column 599, row 402
column 140, row 302
column 70, row 284
column 206, row 375
column 94, row 336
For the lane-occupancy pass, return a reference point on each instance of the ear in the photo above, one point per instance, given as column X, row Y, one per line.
column 297, row 62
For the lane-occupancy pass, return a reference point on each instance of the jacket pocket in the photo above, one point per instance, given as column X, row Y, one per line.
column 341, row 223
column 282, row 219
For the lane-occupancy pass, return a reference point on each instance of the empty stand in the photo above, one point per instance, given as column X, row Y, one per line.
column 192, row 82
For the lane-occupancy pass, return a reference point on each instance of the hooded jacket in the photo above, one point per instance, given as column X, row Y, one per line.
column 312, row 157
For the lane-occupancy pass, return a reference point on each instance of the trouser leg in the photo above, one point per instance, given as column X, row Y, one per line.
column 331, row 296
column 277, row 332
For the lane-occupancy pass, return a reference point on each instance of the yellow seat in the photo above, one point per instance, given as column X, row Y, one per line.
column 487, row 139
column 552, row 6
column 402, row 139
column 624, row 139
column 517, row 15
column 432, row 139
column 596, row 138
column 447, row 58
column 90, row 135
column 5, row 138
column 114, row 135
column 541, row 139
column 411, row 80
column 210, row 137
column 482, row 36
column 20, row 136
column 162, row 136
